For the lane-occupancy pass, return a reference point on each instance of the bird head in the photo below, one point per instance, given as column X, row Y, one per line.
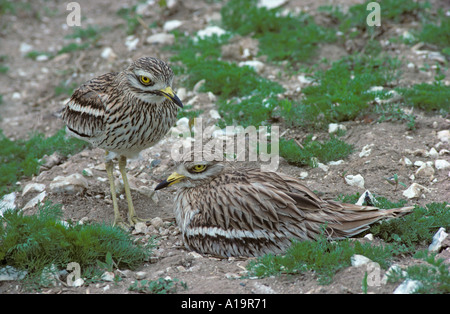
column 151, row 80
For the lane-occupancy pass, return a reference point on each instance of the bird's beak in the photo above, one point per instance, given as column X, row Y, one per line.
column 169, row 94
column 172, row 179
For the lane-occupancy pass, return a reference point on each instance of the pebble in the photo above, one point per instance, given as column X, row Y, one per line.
column 256, row 65
column 7, row 202
column 107, row 276
column 108, row 54
column 270, row 4
column 359, row 260
column 357, row 180
column 334, row 127
column 209, row 31
column 425, row 170
column 131, row 42
column 438, row 239
column 214, row 114
column 441, row 164
column 414, row 191
column 409, row 286
column 171, row 25
column 78, row 283
column 35, row 200
column 9, row 273
column 444, row 135
column 140, row 275
column 366, row 150
column 33, row 187
column 71, row 184
column 405, row 161
column 161, row 38
column 433, row 153
column 157, row 222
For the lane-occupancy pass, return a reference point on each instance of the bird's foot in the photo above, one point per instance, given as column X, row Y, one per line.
column 135, row 219
column 118, row 222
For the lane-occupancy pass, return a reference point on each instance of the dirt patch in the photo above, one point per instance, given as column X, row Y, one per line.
column 30, row 104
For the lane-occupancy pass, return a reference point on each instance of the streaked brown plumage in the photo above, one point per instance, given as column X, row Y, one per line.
column 245, row 212
column 124, row 113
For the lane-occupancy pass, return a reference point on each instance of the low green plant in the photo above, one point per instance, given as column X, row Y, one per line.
column 158, row 286
column 437, row 33
column 36, row 242
column 294, row 38
column 313, row 152
column 23, row 157
column 428, row 97
column 433, row 276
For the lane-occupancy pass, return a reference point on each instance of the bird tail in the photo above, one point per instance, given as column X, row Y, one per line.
column 352, row 219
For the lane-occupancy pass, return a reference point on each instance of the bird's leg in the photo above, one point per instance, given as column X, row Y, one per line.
column 109, row 170
column 132, row 217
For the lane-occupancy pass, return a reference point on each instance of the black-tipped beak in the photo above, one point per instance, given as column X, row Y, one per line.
column 172, row 179
column 168, row 93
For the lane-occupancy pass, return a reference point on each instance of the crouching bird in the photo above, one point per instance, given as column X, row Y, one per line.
column 124, row 113
column 226, row 211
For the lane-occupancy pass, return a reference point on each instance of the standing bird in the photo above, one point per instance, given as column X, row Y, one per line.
column 124, row 113
column 245, row 212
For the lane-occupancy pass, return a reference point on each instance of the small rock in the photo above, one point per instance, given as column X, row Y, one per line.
column 161, row 38
column 270, row 4
column 7, row 202
column 366, row 197
column 438, row 238
column 182, row 93
column 157, row 222
column 232, row 276
column 140, row 275
column 33, row 187
column 195, row 255
column 405, row 161
column 334, row 127
column 107, row 276
column 303, row 175
column 357, row 180
column 304, row 79
column 108, row 54
column 441, row 164
column 414, row 191
column 426, row 170
column 25, row 48
column 359, row 260
column 87, row 172
column 131, row 42
column 35, row 200
column 409, row 286
column 335, row 163
column 322, row 166
column 433, row 153
column 140, row 228
column 71, row 184
column 366, row 150
column 171, row 25
column 256, row 65
column 78, row 283
column 369, row 237
column 444, row 135
column 209, row 31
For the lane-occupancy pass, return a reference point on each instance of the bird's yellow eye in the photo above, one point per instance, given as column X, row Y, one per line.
column 199, row 168
column 145, row 80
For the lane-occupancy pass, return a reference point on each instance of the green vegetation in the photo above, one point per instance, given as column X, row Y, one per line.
column 23, row 157
column 428, row 97
column 402, row 236
column 37, row 242
column 159, row 286
column 434, row 277
column 292, row 38
column 312, row 152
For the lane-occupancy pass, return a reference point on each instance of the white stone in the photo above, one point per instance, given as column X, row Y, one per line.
column 25, row 48
column 157, row 222
column 438, row 238
column 304, row 79
column 405, row 161
column 366, row 150
column 107, row 276
column 408, row 286
column 131, row 42
column 161, row 38
column 441, row 164
column 209, row 31
column 7, row 202
column 71, row 184
column 334, row 127
column 335, row 163
column 414, row 191
column 418, row 163
column 303, row 175
column 35, row 200
column 322, row 166
column 214, row 114
column 369, row 237
column 444, row 135
column 78, row 283
column 171, row 25
column 87, row 172
column 140, row 275
column 270, row 4
column 108, row 54
column 433, row 153
column 182, row 93
column 359, row 260
column 256, row 65
column 426, row 170
column 33, row 187
column 357, row 180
